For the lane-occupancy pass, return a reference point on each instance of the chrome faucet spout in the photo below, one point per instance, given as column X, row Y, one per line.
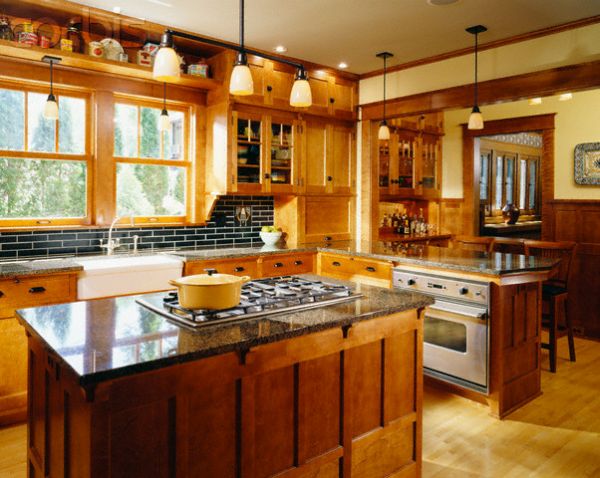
column 111, row 244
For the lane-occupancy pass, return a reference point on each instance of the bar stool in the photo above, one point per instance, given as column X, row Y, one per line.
column 555, row 293
column 473, row 243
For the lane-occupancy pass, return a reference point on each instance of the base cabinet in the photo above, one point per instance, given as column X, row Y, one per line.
column 328, row 404
column 17, row 293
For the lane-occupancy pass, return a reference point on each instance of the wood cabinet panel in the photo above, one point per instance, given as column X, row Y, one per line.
column 239, row 267
column 358, row 269
column 34, row 290
column 319, row 87
column 284, row 264
column 315, row 154
column 342, row 160
column 328, row 218
column 400, row 354
column 319, row 406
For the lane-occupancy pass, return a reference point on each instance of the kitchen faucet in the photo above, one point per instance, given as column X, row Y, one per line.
column 111, row 243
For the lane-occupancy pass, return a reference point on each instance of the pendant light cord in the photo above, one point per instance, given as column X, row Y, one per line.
column 164, row 95
column 242, row 25
column 476, row 68
column 51, row 78
column 384, row 83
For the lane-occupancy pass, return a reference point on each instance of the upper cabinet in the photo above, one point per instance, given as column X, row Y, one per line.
column 329, row 157
column 410, row 162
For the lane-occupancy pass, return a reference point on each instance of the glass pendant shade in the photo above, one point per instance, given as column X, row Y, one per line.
column 384, row 131
column 51, row 108
column 164, row 122
column 241, row 83
column 476, row 119
column 301, row 96
column 166, row 65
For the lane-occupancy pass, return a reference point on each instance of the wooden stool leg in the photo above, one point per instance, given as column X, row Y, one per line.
column 552, row 331
column 569, row 325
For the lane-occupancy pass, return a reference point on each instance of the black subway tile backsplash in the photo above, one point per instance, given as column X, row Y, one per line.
column 229, row 232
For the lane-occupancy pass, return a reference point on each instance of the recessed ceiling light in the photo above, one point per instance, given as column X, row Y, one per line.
column 280, row 49
column 441, row 3
column 565, row 97
column 535, row 101
column 343, row 64
column 117, row 10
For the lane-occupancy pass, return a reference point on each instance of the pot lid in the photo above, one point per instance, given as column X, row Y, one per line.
column 209, row 279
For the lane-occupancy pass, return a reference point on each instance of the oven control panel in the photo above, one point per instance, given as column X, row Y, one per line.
column 462, row 289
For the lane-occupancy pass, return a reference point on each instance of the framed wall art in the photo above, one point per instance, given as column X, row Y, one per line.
column 587, row 164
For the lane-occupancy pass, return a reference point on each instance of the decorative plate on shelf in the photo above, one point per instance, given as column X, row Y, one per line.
column 112, row 49
column 587, row 163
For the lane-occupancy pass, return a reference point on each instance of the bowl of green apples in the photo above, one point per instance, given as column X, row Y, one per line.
column 270, row 235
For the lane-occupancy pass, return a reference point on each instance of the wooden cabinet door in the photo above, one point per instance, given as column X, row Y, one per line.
column 259, row 73
column 341, row 160
column 343, row 94
column 279, row 80
column 248, row 152
column 328, row 218
column 315, row 156
column 319, row 87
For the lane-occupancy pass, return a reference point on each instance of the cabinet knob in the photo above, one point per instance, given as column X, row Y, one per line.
column 336, row 264
column 269, row 88
column 278, row 264
column 371, row 269
column 298, row 263
column 327, row 238
column 1, row 294
column 332, row 100
column 37, row 290
column 267, row 175
column 329, row 178
column 239, row 269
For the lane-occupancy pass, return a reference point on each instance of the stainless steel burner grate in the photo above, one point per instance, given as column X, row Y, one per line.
column 259, row 298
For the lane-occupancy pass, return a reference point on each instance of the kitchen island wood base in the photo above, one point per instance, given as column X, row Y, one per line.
column 340, row 402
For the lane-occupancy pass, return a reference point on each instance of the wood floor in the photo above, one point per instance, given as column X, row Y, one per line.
column 556, row 435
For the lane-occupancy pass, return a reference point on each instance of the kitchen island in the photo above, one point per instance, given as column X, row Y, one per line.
column 116, row 390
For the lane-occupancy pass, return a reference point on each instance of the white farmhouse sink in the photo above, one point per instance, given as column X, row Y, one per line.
column 113, row 276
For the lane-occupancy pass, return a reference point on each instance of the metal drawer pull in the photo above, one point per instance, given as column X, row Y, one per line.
column 328, row 238
column 278, row 264
column 371, row 269
column 1, row 294
column 37, row 290
column 336, row 264
column 239, row 269
column 298, row 263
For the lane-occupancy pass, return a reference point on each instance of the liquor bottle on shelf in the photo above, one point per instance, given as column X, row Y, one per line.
column 386, row 220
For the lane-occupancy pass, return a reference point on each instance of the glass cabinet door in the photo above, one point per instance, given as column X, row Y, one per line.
column 282, row 154
column 406, row 160
column 384, row 164
column 249, row 151
column 429, row 158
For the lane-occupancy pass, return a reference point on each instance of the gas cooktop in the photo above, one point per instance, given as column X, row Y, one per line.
column 259, row 298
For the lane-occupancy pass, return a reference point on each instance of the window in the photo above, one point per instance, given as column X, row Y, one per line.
column 508, row 177
column 44, row 163
column 153, row 168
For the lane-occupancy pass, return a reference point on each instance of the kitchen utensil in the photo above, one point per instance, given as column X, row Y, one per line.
column 210, row 291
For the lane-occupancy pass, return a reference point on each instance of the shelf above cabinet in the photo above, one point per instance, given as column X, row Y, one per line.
column 85, row 62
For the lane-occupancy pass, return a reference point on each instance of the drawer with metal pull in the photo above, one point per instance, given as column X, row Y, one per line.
column 283, row 264
column 237, row 267
column 29, row 291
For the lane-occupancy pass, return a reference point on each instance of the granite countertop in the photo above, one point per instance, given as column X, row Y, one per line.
column 108, row 338
column 494, row 263
column 13, row 269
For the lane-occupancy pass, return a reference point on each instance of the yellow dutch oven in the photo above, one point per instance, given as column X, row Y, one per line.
column 209, row 291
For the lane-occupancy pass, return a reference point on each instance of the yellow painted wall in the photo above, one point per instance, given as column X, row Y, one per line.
column 577, row 121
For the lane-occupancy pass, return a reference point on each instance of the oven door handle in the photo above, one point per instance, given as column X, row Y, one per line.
column 445, row 314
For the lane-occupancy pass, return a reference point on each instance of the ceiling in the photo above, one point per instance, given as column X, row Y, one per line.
column 353, row 31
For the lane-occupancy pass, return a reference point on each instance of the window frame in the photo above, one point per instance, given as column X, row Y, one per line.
column 87, row 156
column 186, row 162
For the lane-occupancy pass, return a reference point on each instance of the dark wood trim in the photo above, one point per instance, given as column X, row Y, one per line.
column 487, row 46
column 582, row 202
column 543, row 123
column 581, row 76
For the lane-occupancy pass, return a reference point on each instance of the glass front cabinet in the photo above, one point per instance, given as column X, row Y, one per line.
column 410, row 164
column 264, row 153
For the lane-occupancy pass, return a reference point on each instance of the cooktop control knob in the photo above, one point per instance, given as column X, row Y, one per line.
column 463, row 291
column 411, row 282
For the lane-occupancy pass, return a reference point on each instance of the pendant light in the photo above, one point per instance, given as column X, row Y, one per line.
column 166, row 63
column 51, row 107
column 301, row 95
column 164, row 123
column 241, row 83
column 476, row 118
column 384, row 130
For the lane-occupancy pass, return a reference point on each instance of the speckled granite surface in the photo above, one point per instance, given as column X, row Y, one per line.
column 104, row 339
column 25, row 268
column 494, row 263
